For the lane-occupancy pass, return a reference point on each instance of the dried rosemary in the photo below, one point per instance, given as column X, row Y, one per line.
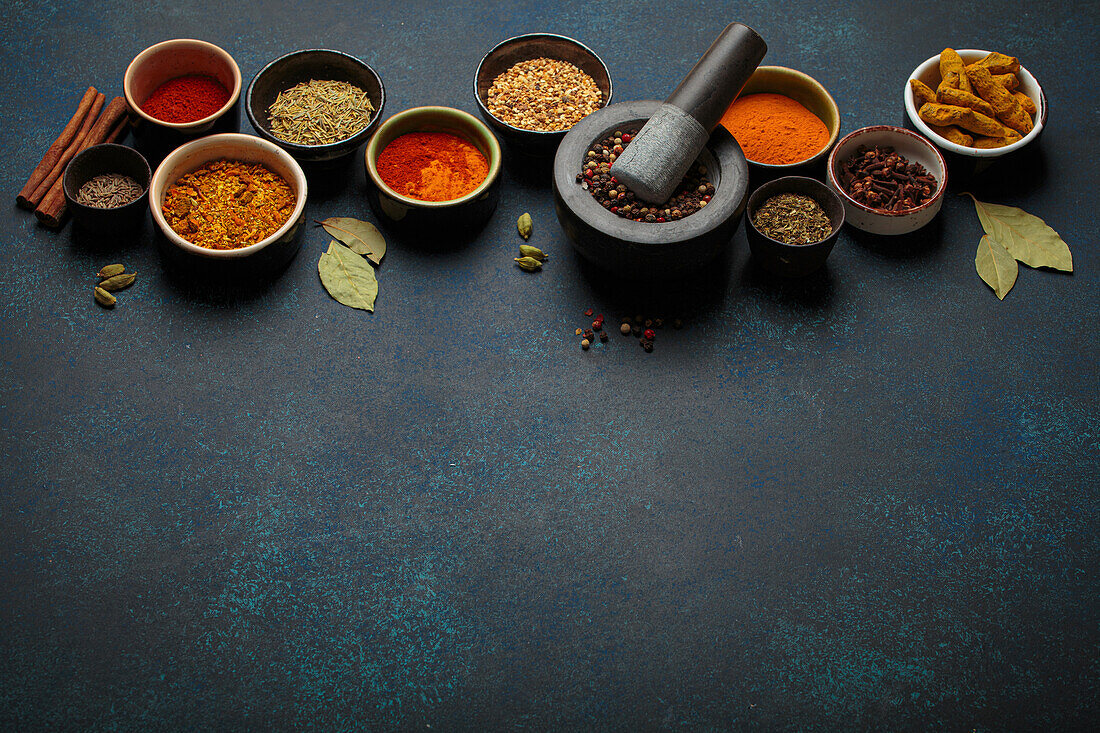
column 792, row 218
column 319, row 112
column 108, row 191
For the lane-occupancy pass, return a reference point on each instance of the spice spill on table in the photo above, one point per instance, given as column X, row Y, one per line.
column 228, row 205
column 186, row 99
column 693, row 193
column 432, row 166
column 543, row 95
column 320, row 112
column 774, row 129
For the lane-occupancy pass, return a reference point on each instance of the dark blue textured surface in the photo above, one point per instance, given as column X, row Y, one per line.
column 865, row 500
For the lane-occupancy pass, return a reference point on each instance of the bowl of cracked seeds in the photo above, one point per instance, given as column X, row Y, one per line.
column 532, row 89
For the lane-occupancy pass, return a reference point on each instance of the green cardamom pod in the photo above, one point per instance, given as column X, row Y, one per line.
column 110, row 271
column 118, row 282
column 526, row 250
column 104, row 298
column 530, row 264
column 525, row 226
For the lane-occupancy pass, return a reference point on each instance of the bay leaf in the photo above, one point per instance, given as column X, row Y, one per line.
column 360, row 237
column 996, row 266
column 1026, row 237
column 348, row 277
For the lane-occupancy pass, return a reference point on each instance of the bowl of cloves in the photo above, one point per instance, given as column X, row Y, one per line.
column 891, row 180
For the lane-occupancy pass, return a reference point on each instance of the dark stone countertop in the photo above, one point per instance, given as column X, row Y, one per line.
column 863, row 500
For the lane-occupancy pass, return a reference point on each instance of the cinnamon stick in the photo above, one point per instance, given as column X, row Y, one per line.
column 118, row 130
column 49, row 160
column 44, row 187
column 52, row 209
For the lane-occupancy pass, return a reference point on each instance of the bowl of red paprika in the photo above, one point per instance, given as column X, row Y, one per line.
column 179, row 90
column 434, row 169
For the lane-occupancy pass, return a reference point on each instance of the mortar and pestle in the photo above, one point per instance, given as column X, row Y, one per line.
column 678, row 133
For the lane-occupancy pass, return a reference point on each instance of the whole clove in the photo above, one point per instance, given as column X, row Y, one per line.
column 883, row 179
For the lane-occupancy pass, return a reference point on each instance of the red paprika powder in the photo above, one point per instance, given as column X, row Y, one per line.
column 186, row 99
column 432, row 166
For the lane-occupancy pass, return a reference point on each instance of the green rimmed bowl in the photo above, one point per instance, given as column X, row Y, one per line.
column 467, row 214
column 808, row 92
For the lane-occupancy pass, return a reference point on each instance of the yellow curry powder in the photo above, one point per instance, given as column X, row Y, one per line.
column 228, row 205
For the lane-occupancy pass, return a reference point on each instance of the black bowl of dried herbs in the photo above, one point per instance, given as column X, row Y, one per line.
column 792, row 224
column 107, row 188
column 318, row 105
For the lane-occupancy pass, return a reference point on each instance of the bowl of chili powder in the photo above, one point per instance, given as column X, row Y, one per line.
column 179, row 90
column 230, row 197
column 434, row 169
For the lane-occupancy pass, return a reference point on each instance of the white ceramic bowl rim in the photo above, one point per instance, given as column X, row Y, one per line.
column 234, row 93
column 477, row 72
column 159, row 184
column 924, row 127
column 831, row 168
column 833, row 135
column 494, row 162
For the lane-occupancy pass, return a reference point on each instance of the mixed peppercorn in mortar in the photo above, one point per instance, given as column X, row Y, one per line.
column 693, row 193
column 228, row 205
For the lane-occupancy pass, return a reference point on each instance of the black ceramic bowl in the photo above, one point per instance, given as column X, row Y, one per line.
column 524, row 48
column 793, row 260
column 461, row 216
column 99, row 160
column 643, row 250
column 302, row 66
column 168, row 60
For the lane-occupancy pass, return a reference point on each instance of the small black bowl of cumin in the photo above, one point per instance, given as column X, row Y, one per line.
column 103, row 159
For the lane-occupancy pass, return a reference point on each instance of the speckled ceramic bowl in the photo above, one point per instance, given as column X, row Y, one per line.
column 302, row 66
column 808, row 92
column 462, row 215
column 524, row 48
column 929, row 73
column 168, row 60
column 281, row 246
column 915, row 149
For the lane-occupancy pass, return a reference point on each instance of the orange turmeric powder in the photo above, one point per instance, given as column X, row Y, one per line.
column 432, row 166
column 774, row 129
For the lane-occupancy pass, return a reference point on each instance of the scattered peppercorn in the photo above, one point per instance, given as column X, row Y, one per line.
column 603, row 337
column 589, row 312
column 649, row 334
column 625, row 329
column 585, row 343
column 691, row 195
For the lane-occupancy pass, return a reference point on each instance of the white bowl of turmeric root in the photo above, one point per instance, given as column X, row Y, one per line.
column 976, row 103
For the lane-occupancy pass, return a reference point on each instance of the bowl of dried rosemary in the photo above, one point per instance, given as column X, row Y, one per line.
column 318, row 105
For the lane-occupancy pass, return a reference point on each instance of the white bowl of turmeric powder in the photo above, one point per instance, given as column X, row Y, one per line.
column 1004, row 70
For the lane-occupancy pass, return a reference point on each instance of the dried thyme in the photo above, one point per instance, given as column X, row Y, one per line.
column 792, row 218
column 319, row 112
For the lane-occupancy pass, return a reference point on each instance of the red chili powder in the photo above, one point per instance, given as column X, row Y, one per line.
column 186, row 99
column 432, row 166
